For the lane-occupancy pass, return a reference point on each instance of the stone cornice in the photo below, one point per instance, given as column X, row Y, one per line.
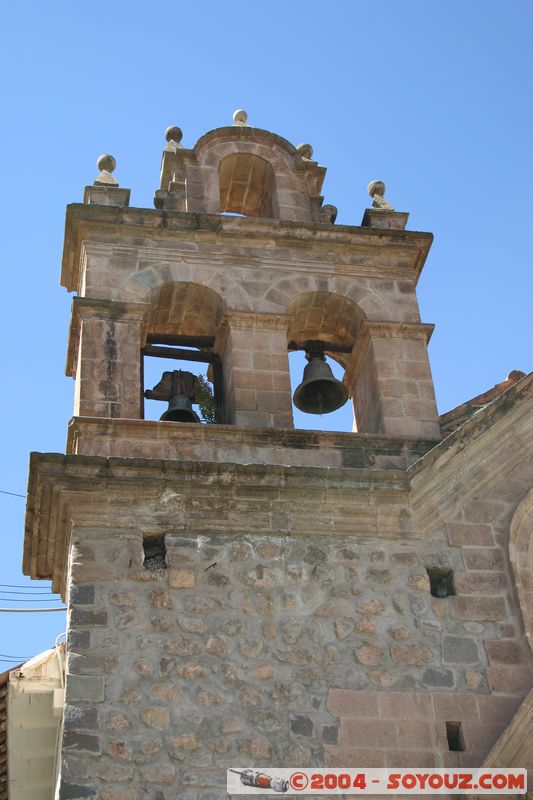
column 86, row 221
column 67, row 492
column 91, row 491
column 258, row 321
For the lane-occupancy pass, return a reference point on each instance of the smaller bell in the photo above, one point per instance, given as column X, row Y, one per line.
column 178, row 388
column 180, row 410
column 319, row 392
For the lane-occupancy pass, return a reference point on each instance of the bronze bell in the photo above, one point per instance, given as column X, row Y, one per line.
column 179, row 389
column 319, row 392
column 179, row 410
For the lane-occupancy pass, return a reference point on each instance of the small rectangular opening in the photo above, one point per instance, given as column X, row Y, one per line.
column 454, row 734
column 441, row 581
column 154, row 551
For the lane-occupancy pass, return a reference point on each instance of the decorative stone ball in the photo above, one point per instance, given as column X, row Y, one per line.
column 240, row 115
column 376, row 187
column 106, row 163
column 174, row 134
column 305, row 150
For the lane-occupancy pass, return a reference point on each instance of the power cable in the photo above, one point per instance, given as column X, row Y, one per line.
column 13, row 494
column 30, row 610
column 28, row 594
column 13, row 658
column 17, row 586
column 29, row 600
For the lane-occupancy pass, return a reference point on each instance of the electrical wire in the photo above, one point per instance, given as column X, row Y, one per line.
column 28, row 594
column 30, row 610
column 29, row 600
column 17, row 586
column 13, row 494
column 13, row 658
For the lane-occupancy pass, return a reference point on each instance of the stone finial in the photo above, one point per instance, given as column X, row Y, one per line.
column 376, row 190
column 305, row 150
column 173, row 135
column 328, row 214
column 515, row 375
column 240, row 117
column 106, row 164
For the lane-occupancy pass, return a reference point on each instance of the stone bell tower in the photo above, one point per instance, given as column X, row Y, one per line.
column 244, row 591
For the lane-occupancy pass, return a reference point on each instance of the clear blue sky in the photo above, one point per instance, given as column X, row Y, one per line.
column 432, row 96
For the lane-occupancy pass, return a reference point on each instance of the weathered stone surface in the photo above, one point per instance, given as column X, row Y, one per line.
column 124, row 599
column 217, row 646
column 301, row 725
column 460, row 650
column 182, row 646
column 410, row 654
column 119, row 750
column 156, row 717
column 438, row 677
column 89, row 688
column 181, row 578
column 369, row 655
column 159, row 598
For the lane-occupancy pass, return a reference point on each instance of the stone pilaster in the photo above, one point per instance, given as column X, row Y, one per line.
column 105, row 357
column 391, row 380
column 257, row 384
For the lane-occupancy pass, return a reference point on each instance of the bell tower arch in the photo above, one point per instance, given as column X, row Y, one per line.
column 255, row 286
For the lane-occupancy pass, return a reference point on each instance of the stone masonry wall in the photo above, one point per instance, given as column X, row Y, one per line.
column 279, row 651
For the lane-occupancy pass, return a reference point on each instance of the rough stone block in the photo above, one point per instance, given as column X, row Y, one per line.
column 379, row 734
column 81, row 595
column 489, row 558
column 181, row 578
column 81, row 717
column 81, row 617
column 82, row 742
column 405, row 705
column 479, row 608
column 438, row 678
column 470, row 534
column 301, row 725
column 156, row 717
column 410, row 654
column 459, row 650
column 339, row 757
column 510, row 679
column 455, row 707
column 505, row 651
column 75, row 791
column 85, row 688
column 348, row 703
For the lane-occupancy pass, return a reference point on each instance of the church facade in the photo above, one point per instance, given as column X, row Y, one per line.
column 243, row 592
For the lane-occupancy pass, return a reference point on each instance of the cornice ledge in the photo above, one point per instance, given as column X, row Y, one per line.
column 80, row 218
column 397, row 330
column 257, row 320
column 69, row 491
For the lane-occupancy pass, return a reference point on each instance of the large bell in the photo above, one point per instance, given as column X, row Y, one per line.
column 319, row 392
column 180, row 410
